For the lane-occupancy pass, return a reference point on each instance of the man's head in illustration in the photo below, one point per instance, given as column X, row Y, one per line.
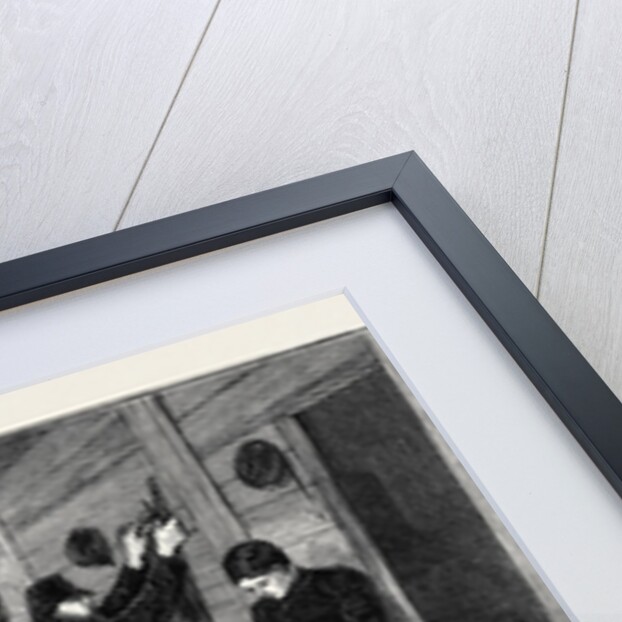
column 55, row 598
column 87, row 547
column 261, row 569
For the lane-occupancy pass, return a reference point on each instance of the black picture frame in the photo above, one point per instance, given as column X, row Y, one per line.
column 581, row 399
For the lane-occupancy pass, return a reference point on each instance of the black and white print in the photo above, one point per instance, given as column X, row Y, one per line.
column 305, row 486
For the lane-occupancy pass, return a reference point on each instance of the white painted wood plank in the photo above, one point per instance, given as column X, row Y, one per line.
column 14, row 580
column 84, row 87
column 283, row 91
column 582, row 276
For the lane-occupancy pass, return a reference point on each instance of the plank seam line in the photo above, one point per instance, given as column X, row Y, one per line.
column 166, row 116
column 547, row 218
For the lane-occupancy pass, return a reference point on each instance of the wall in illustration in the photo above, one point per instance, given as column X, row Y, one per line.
column 89, row 471
column 445, row 555
column 83, row 472
column 287, row 514
column 219, row 415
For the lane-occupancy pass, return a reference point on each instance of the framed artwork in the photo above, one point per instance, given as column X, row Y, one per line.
column 245, row 375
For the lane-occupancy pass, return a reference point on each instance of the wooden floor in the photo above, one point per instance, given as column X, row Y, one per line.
column 113, row 114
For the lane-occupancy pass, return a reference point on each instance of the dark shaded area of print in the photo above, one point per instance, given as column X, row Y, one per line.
column 4, row 614
column 435, row 540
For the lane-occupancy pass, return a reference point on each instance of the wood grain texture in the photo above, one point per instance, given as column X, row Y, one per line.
column 14, row 580
column 326, row 548
column 87, row 468
column 178, row 466
column 84, row 88
column 280, row 92
column 287, row 519
column 582, row 274
column 216, row 410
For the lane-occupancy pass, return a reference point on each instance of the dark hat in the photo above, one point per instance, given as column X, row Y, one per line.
column 261, row 464
column 253, row 558
column 44, row 596
column 88, row 546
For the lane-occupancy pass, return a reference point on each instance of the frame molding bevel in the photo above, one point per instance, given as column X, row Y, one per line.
column 572, row 388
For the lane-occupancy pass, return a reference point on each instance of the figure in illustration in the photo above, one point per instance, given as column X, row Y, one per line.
column 147, row 589
column 288, row 593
